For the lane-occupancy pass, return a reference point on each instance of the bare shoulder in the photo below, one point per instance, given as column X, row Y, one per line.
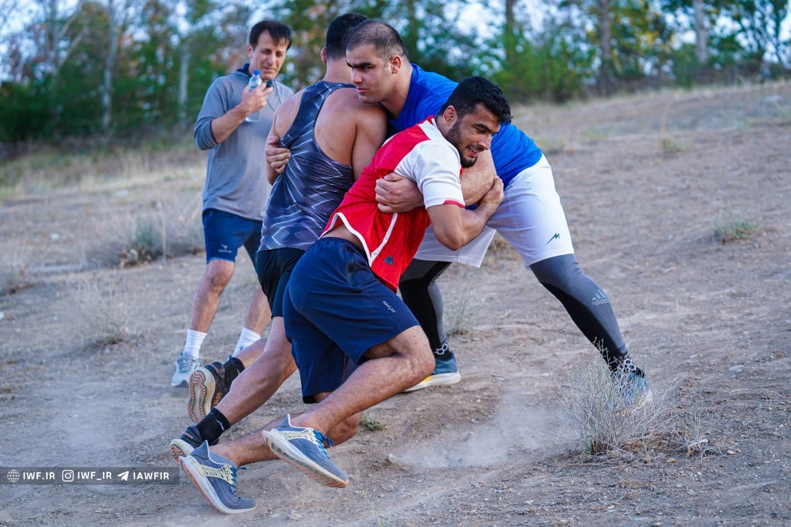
column 287, row 112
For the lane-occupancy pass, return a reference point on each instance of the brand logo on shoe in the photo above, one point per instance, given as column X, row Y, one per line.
column 600, row 298
column 305, row 433
column 224, row 473
column 217, row 399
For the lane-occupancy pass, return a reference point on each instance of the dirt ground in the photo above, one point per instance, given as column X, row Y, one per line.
column 642, row 179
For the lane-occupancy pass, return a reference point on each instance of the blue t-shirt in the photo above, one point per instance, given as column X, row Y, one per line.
column 512, row 150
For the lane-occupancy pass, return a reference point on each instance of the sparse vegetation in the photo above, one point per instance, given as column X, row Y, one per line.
column 732, row 226
column 461, row 309
column 372, row 425
column 104, row 313
column 593, row 409
column 14, row 260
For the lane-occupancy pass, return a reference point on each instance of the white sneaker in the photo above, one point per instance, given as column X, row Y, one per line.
column 184, row 367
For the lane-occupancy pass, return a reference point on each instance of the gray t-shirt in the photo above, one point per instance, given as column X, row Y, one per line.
column 235, row 177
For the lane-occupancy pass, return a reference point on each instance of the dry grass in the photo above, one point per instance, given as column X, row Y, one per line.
column 105, row 311
column 594, row 411
column 731, row 226
column 15, row 258
column 461, row 310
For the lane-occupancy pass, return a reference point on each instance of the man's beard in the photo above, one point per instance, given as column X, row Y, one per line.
column 454, row 138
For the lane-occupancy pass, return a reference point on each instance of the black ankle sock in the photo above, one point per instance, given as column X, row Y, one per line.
column 443, row 353
column 213, row 426
column 233, row 367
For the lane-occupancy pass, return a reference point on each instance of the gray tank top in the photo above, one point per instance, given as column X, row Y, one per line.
column 312, row 185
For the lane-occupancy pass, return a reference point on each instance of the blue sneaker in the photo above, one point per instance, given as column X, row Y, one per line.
column 633, row 388
column 304, row 449
column 189, row 441
column 215, row 477
column 445, row 372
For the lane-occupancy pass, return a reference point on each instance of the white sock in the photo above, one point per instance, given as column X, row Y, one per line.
column 193, row 344
column 246, row 337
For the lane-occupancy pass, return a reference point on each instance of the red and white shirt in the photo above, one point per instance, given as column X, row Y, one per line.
column 419, row 153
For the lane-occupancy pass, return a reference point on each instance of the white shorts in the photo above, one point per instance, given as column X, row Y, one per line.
column 530, row 218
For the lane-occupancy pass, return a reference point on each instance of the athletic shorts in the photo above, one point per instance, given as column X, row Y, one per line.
column 274, row 268
column 224, row 233
column 334, row 310
column 530, row 218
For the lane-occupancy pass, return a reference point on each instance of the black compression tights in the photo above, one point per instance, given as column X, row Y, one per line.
column 421, row 294
column 584, row 300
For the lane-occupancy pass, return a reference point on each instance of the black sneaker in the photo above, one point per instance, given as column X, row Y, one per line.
column 189, row 441
column 207, row 388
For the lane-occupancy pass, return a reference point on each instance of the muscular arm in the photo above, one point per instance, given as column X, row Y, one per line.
column 455, row 227
column 281, row 121
column 371, row 132
column 397, row 194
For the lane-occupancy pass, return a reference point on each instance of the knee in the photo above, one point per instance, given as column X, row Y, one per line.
column 558, row 271
column 218, row 275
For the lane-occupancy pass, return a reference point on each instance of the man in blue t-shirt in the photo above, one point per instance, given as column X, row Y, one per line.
column 530, row 216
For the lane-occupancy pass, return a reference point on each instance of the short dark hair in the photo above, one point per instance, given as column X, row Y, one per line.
column 384, row 38
column 277, row 30
column 339, row 32
column 473, row 91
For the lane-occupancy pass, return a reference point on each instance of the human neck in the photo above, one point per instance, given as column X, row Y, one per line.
column 395, row 102
column 338, row 71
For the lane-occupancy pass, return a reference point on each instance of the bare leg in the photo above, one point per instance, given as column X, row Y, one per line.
column 259, row 381
column 251, row 353
column 394, row 366
column 207, row 297
column 253, row 448
column 258, row 313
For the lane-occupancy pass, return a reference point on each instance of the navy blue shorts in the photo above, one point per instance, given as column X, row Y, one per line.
column 274, row 268
column 224, row 233
column 334, row 310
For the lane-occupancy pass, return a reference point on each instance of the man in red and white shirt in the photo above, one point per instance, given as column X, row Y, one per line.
column 354, row 341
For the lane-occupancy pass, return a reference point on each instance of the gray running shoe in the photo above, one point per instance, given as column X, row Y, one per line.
column 215, row 477
column 184, row 367
column 304, row 449
column 633, row 388
column 189, row 441
column 207, row 388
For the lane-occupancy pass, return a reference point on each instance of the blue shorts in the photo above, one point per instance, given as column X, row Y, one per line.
column 334, row 310
column 274, row 268
column 224, row 233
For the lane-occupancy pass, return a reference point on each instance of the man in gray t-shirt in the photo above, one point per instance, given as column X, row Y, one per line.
column 236, row 190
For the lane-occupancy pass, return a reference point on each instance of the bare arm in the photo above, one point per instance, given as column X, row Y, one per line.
column 397, row 194
column 455, row 227
column 276, row 156
column 477, row 179
column 371, row 132
column 252, row 101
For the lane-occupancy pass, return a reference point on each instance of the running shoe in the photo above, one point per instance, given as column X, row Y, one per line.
column 207, row 387
column 304, row 449
column 184, row 368
column 184, row 445
column 633, row 388
column 445, row 372
column 215, row 477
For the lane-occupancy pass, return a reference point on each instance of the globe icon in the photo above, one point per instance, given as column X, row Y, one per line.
column 13, row 476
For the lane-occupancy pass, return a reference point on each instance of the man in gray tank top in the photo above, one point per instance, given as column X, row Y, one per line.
column 236, row 192
column 332, row 136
